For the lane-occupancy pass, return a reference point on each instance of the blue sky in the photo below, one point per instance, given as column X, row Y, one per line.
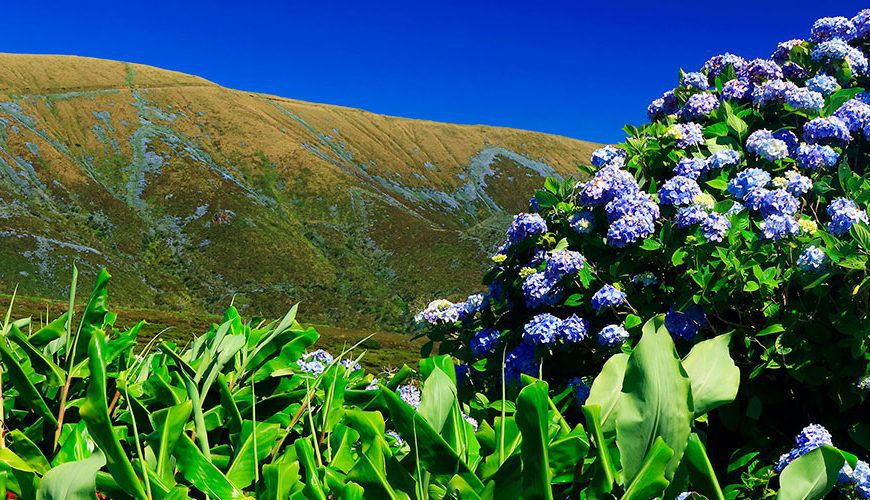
column 574, row 68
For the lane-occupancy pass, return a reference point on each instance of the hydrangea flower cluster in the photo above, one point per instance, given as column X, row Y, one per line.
column 410, row 394
column 315, row 362
column 811, row 437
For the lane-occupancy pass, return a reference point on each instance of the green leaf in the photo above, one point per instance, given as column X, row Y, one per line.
column 201, row 473
column 170, row 431
column 655, row 401
column 532, row 420
column 437, row 399
column 72, row 480
column 243, row 468
column 811, row 476
column 652, row 478
column 606, row 389
column 701, row 470
column 604, row 477
column 713, row 375
column 29, row 394
column 720, row 184
column 861, row 233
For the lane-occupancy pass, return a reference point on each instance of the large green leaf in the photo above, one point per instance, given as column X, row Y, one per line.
column 281, row 478
column 606, row 389
column 604, row 476
column 701, row 470
column 437, row 399
column 201, row 473
column 95, row 413
column 72, row 480
column 655, row 402
column 713, row 375
column 243, row 468
column 170, row 432
column 29, row 394
column 651, row 480
column 532, row 419
column 39, row 361
column 811, row 476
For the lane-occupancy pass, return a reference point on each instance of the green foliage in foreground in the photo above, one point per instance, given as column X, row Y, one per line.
column 233, row 415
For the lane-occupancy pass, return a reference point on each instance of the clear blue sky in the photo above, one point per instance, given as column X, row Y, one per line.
column 574, row 68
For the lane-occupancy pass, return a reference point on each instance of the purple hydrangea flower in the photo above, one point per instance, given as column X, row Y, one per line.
column 771, row 91
column 723, row 158
column 779, row 202
column 607, row 296
column 822, row 84
column 836, row 49
column 776, row 226
column 484, row 341
column 524, row 226
column 716, row 64
column 854, row 113
column 685, row 324
column 798, row 184
column 606, row 184
column 612, row 335
column 539, row 289
column 687, row 134
column 410, row 394
column 811, row 437
column 746, row 180
column 759, row 70
column 805, row 99
column 861, row 22
column 440, row 312
column 737, row 90
column 629, row 229
column 783, row 49
column 700, row 105
column 534, row 206
column 690, row 216
column 608, row 155
column 638, row 203
column 520, row 360
column 763, row 143
column 542, row 329
column 690, row 167
column 696, row 79
column 828, row 28
column 315, row 362
column 794, row 71
column 828, row 128
column 665, row 105
column 754, row 198
column 844, row 213
column 573, row 329
column 715, row 226
column 563, row 263
column 678, row 190
column 815, row 156
column 811, row 259
column 582, row 222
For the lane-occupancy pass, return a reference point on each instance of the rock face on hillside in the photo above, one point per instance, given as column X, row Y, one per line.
column 193, row 194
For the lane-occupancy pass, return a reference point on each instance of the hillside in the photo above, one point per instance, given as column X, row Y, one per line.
column 195, row 195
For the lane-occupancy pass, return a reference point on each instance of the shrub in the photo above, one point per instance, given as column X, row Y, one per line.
column 740, row 209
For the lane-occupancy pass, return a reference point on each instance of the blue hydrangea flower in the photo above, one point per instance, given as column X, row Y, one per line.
column 716, row 64
column 683, row 496
column 715, row 226
column 685, row 324
column 608, row 155
column 776, row 226
column 628, row 230
column 563, row 263
column 700, row 105
column 771, row 91
column 687, row 134
column 794, row 71
column 815, row 156
column 690, row 216
column 737, row 90
column 534, row 206
column 540, row 290
column 826, row 128
column 637, row 203
column 581, row 390
column 754, row 198
column 723, row 158
column 844, row 213
column 582, row 222
column 665, row 105
column 573, row 329
column 542, row 329
column 410, row 394
column 811, row 259
column 854, row 113
column 746, row 180
column 838, row 50
column 606, row 184
column 861, row 22
column 779, row 202
column 735, row 209
column 524, row 226
column 783, row 49
column 798, row 184
column 678, row 190
column 789, row 138
column 315, row 362
column 520, row 360
column 827, row 28
column 811, row 437
column 822, row 84
column 607, row 296
column 690, row 167
column 484, row 341
column 696, row 79
column 440, row 312
column 764, row 144
column 805, row 99
column 860, row 477
column 760, row 70
column 612, row 336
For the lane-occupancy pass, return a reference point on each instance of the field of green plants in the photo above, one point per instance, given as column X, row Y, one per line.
column 688, row 321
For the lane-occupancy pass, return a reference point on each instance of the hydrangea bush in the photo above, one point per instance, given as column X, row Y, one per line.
column 740, row 208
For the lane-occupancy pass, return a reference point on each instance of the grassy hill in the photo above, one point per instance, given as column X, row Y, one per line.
column 195, row 195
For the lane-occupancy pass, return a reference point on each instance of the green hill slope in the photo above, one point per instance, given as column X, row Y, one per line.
column 193, row 194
